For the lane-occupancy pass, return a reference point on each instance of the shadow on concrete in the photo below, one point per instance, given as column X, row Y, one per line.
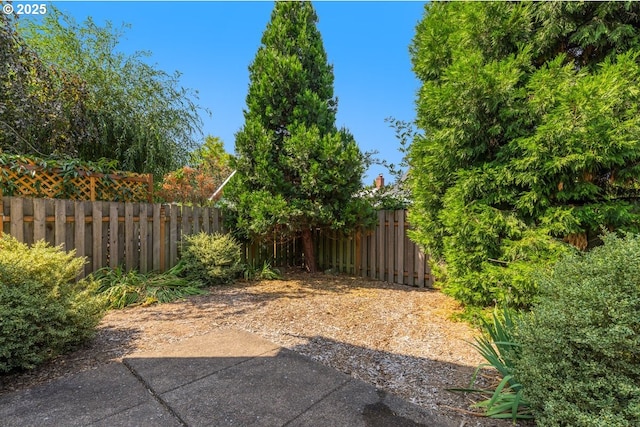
column 107, row 344
column 225, row 378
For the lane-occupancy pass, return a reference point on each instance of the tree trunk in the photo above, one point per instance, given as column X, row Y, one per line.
column 307, row 249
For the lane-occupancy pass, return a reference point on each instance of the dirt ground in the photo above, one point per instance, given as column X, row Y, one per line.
column 398, row 338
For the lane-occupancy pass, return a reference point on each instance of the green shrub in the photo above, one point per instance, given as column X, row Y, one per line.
column 580, row 357
column 126, row 288
column 213, row 259
column 44, row 311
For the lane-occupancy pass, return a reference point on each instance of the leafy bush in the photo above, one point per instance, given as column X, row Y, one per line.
column 125, row 288
column 44, row 310
column 579, row 363
column 214, row 259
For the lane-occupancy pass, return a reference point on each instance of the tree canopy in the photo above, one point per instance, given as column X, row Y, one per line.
column 132, row 111
column 530, row 114
column 296, row 170
column 209, row 167
column 42, row 107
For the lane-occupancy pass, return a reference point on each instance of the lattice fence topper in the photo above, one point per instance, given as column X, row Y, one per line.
column 28, row 179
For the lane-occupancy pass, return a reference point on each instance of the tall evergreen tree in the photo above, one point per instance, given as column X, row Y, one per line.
column 531, row 120
column 296, row 171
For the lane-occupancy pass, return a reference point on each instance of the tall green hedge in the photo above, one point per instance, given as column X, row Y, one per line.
column 530, row 119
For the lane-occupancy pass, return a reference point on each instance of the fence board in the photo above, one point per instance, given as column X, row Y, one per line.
column 399, row 273
column 421, row 269
column 39, row 220
column 96, row 216
column 144, row 243
column 17, row 222
column 113, row 235
column 186, row 225
column 128, row 236
column 205, row 220
column 78, row 230
column 173, row 234
column 156, row 233
column 195, row 213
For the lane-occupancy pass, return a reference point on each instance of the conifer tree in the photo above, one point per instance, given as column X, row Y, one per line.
column 530, row 114
column 296, row 171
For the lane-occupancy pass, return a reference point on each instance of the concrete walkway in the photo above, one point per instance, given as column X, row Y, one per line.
column 225, row 378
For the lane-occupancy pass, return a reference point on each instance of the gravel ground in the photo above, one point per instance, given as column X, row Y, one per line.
column 398, row 338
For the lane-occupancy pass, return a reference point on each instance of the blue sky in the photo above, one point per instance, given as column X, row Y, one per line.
column 213, row 43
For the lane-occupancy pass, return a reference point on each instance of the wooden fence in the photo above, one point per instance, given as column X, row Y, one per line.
column 146, row 236
column 384, row 253
column 141, row 236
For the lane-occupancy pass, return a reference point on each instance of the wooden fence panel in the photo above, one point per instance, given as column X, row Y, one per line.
column 384, row 253
column 134, row 235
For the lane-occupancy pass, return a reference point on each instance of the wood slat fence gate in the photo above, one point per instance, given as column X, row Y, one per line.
column 141, row 236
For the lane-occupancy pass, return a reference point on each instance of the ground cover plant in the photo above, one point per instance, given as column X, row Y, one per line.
column 45, row 312
column 126, row 288
column 580, row 347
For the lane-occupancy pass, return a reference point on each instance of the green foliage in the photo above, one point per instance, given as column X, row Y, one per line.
column 266, row 272
column 213, row 259
column 211, row 166
column 530, row 115
column 45, row 312
column 499, row 347
column 581, row 344
column 42, row 107
column 138, row 115
column 68, row 169
column 127, row 288
column 296, row 171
